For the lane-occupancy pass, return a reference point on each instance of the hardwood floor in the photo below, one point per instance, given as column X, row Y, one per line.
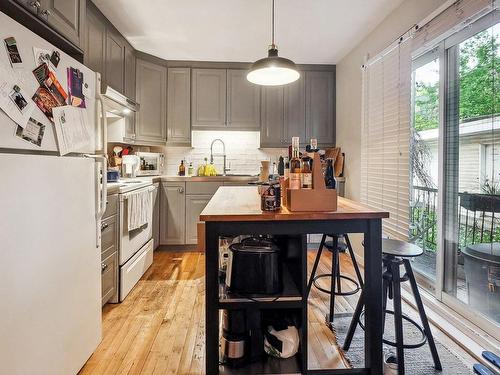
column 159, row 328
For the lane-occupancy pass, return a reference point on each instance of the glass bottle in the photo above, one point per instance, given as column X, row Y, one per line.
column 182, row 169
column 306, row 173
column 295, row 165
column 190, row 169
column 330, row 181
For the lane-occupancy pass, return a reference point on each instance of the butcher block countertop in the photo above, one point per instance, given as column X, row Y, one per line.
column 242, row 203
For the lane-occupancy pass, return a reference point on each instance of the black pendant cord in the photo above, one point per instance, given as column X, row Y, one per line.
column 272, row 26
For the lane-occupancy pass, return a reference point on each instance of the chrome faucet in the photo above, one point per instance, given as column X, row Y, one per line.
column 223, row 154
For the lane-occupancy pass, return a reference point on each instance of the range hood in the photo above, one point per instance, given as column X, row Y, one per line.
column 118, row 103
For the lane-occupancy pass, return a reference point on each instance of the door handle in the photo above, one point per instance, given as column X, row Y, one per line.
column 104, row 266
column 45, row 12
column 180, row 190
column 104, row 226
column 35, row 4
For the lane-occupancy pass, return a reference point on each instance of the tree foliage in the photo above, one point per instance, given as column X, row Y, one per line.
column 479, row 79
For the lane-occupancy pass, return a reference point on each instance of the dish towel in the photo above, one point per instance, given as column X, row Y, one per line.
column 139, row 207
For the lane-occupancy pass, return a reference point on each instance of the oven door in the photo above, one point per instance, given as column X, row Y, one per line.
column 132, row 240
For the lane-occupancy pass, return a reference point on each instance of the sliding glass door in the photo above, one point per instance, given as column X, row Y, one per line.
column 455, row 170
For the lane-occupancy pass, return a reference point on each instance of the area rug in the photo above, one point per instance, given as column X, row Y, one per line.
column 417, row 361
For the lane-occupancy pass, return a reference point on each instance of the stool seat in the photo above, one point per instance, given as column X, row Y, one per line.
column 399, row 248
column 341, row 246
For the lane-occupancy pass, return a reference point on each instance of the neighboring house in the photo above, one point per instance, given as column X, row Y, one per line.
column 479, row 153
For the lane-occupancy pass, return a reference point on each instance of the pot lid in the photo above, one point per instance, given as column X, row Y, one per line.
column 485, row 251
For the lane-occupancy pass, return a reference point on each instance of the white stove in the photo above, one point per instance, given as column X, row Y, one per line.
column 126, row 185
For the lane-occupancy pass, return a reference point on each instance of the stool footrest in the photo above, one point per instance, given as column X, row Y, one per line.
column 328, row 291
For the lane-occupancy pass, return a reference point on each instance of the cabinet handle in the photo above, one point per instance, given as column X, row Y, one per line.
column 180, row 190
column 103, row 267
column 104, row 226
column 35, row 4
column 45, row 12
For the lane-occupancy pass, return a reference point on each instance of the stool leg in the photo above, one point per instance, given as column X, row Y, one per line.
column 315, row 266
column 423, row 316
column 329, row 318
column 354, row 321
column 353, row 260
column 337, row 270
column 398, row 317
column 385, row 295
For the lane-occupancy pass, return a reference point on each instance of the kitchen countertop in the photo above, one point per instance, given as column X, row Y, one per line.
column 242, row 203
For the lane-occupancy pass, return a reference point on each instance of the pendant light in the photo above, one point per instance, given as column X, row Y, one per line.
column 273, row 70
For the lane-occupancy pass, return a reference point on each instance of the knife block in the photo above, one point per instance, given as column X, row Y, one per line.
column 317, row 199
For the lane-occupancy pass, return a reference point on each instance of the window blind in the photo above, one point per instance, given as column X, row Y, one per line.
column 448, row 22
column 385, row 137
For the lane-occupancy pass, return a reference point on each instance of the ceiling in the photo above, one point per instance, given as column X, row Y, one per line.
column 307, row 31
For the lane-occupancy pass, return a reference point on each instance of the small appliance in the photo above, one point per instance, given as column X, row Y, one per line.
column 130, row 166
column 254, row 267
column 150, row 163
column 234, row 340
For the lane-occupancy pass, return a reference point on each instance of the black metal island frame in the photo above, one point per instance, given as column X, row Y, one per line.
column 236, row 211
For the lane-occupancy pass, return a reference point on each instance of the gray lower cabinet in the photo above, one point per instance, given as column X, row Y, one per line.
column 208, row 99
column 194, row 205
column 115, row 63
column 172, row 213
column 320, row 107
column 156, row 215
column 272, row 132
column 151, row 89
column 179, row 106
column 109, row 251
column 95, row 42
column 243, row 101
column 65, row 16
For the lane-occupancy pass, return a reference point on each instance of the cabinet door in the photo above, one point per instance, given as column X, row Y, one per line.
column 151, row 83
column 179, row 106
column 208, row 98
column 295, row 110
column 194, row 205
column 66, row 16
column 243, row 101
column 115, row 63
column 156, row 215
column 272, row 129
column 95, row 43
column 129, row 71
column 320, row 107
column 172, row 213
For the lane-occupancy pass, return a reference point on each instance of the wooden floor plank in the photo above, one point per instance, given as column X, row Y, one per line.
column 160, row 327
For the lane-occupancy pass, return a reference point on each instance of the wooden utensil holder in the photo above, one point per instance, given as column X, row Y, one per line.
column 319, row 198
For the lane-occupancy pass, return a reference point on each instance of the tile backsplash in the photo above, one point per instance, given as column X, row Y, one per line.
column 242, row 151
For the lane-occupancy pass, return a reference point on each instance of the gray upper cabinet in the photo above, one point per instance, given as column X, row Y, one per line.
column 243, row 101
column 172, row 213
column 208, row 98
column 295, row 111
column 320, row 107
column 273, row 125
column 129, row 83
column 66, row 16
column 152, row 96
column 115, row 60
column 179, row 106
column 95, row 42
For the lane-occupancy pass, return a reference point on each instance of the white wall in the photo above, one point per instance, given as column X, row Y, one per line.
column 242, row 150
column 348, row 134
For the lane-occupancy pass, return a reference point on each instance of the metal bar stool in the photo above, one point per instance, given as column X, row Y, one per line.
column 397, row 253
column 335, row 247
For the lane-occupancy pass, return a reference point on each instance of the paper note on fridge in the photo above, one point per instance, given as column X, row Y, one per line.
column 15, row 102
column 72, row 128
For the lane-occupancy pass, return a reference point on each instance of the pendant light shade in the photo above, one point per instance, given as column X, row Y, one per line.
column 273, row 70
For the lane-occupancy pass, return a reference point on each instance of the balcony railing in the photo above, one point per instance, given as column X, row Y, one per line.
column 478, row 218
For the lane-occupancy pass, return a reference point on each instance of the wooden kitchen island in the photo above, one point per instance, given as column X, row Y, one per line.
column 236, row 211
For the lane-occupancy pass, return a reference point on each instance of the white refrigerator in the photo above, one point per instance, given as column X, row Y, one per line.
column 50, row 210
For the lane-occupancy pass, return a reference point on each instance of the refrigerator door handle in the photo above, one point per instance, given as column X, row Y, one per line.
column 104, row 123
column 101, row 175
